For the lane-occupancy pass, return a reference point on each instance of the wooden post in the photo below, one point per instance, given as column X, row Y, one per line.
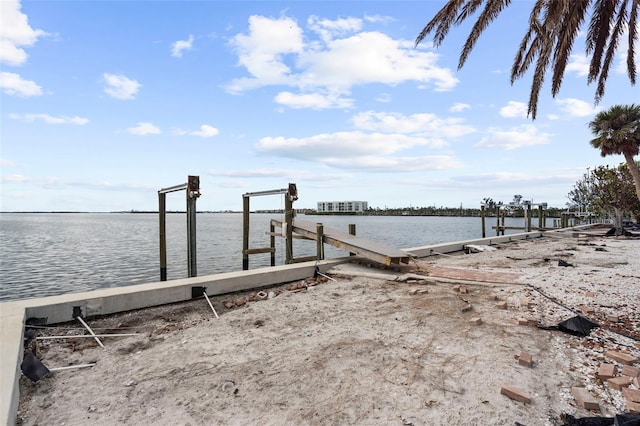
column 528, row 217
column 319, row 241
column 245, row 232
column 162, row 214
column 497, row 221
column 503, row 216
column 288, row 218
column 272, row 243
column 482, row 218
column 540, row 218
column 352, row 231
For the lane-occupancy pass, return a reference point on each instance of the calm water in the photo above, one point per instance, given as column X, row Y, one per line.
column 47, row 254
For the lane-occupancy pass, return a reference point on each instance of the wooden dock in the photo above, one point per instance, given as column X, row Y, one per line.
column 360, row 246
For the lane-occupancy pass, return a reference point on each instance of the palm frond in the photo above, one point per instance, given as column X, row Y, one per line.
column 598, row 34
column 616, row 33
column 490, row 12
column 633, row 36
column 572, row 19
column 441, row 22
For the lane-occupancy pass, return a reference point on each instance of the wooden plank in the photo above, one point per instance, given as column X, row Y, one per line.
column 259, row 250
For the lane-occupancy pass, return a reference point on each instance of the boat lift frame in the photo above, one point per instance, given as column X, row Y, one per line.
column 290, row 195
column 192, row 188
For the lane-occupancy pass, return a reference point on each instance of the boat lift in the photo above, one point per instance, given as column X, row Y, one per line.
column 192, row 188
column 290, row 195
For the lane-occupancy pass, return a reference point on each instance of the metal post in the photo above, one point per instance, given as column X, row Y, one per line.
column 162, row 216
column 319, row 241
column 272, row 243
column 482, row 218
column 288, row 219
column 497, row 221
column 193, row 192
column 503, row 216
column 245, row 232
column 528, row 213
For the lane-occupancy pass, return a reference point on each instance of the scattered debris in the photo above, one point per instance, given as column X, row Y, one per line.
column 584, row 398
column 515, row 393
column 565, row 264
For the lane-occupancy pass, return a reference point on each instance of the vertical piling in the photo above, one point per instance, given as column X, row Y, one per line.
column 272, row 243
column 352, row 231
column 193, row 192
column 502, row 220
column 540, row 218
column 482, row 219
column 497, row 220
column 319, row 241
column 288, row 218
column 528, row 212
column 245, row 232
column 162, row 215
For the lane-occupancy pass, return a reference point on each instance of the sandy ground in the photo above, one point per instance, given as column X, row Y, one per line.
column 365, row 349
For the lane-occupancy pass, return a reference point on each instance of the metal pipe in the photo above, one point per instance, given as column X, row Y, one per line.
column 245, row 233
column 192, row 261
column 272, row 242
column 269, row 192
column 288, row 217
column 162, row 216
column 319, row 242
column 90, row 331
column 173, row 188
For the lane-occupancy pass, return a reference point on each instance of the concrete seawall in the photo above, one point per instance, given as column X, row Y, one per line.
column 59, row 309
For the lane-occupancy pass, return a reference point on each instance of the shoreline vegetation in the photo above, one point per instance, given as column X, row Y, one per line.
column 405, row 211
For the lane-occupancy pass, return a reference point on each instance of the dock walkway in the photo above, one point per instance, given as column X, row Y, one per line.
column 353, row 244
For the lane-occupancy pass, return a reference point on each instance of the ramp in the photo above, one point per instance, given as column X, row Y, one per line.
column 360, row 246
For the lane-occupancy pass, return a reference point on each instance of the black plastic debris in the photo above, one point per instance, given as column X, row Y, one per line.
column 601, row 249
column 563, row 263
column 33, row 368
column 576, row 326
column 618, row 420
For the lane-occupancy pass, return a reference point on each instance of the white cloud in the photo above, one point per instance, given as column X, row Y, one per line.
column 397, row 164
column 278, row 52
column 179, row 46
column 49, row 119
column 516, row 137
column 553, row 117
column 384, row 98
column 459, row 107
column 15, row 178
column 337, row 145
column 144, row 129
column 427, row 124
column 577, row 107
column 120, row 87
column 7, row 163
column 205, row 131
column 514, row 110
column 328, row 29
column 15, row 32
column 313, row 100
column 13, row 84
column 578, row 64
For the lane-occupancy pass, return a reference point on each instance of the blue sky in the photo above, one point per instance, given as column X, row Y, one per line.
column 104, row 103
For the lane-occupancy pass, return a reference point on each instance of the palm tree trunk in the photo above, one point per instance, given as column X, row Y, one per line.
column 634, row 170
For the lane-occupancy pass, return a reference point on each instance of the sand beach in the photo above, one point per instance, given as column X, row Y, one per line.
column 449, row 340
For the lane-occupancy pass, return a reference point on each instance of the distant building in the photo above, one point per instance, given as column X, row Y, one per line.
column 342, row 206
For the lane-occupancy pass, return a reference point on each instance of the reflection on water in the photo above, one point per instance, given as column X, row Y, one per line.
column 46, row 254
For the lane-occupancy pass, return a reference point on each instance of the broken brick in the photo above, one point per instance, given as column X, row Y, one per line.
column 523, row 321
column 476, row 321
column 590, row 294
column 619, row 382
column 525, row 359
column 515, row 393
column 613, row 318
column 606, row 371
column 586, row 309
column 463, row 290
column 633, row 407
column 502, row 305
column 621, row 357
column 632, row 395
column 630, row 371
column 584, row 398
column 456, row 288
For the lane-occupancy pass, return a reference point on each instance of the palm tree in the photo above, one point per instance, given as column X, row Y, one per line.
column 617, row 131
column 553, row 27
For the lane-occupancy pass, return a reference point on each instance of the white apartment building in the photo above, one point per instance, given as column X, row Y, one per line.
column 342, row 206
